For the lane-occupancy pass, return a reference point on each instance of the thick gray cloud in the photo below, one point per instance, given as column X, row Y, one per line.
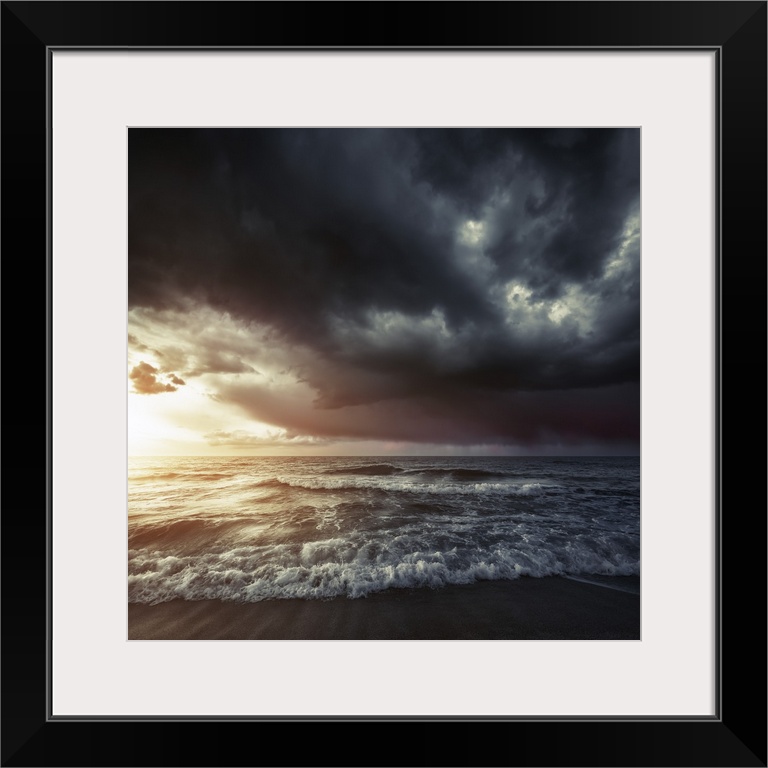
column 465, row 285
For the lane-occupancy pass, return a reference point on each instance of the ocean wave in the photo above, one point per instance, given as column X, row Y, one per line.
column 153, row 476
column 455, row 473
column 169, row 532
column 335, row 567
column 404, row 485
column 321, row 528
column 186, row 476
column 366, row 469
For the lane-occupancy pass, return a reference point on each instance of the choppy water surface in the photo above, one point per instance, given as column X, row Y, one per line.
column 251, row 528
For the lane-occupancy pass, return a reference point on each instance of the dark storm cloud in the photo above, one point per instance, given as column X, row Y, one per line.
column 579, row 184
column 289, row 227
column 459, row 417
column 435, row 275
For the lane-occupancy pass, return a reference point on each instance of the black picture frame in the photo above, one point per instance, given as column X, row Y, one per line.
column 736, row 736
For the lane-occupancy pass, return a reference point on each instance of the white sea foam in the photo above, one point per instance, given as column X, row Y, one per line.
column 321, row 528
column 336, row 567
column 410, row 484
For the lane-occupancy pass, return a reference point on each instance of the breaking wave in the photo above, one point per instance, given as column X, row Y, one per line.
column 337, row 567
column 250, row 529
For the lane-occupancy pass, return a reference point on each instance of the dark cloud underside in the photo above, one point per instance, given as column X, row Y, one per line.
column 462, row 285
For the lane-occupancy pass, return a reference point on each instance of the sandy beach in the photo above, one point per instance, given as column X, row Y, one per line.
column 550, row 608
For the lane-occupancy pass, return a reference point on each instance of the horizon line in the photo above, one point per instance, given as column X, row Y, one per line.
column 382, row 456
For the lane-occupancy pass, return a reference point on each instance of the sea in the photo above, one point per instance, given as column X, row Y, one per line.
column 249, row 529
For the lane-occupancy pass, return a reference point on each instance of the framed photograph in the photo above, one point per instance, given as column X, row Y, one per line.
column 402, row 402
column 446, row 307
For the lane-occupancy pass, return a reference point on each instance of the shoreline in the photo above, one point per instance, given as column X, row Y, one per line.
column 549, row 608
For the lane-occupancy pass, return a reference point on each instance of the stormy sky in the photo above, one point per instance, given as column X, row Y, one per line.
column 384, row 291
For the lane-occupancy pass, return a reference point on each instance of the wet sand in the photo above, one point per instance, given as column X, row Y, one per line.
column 525, row 609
